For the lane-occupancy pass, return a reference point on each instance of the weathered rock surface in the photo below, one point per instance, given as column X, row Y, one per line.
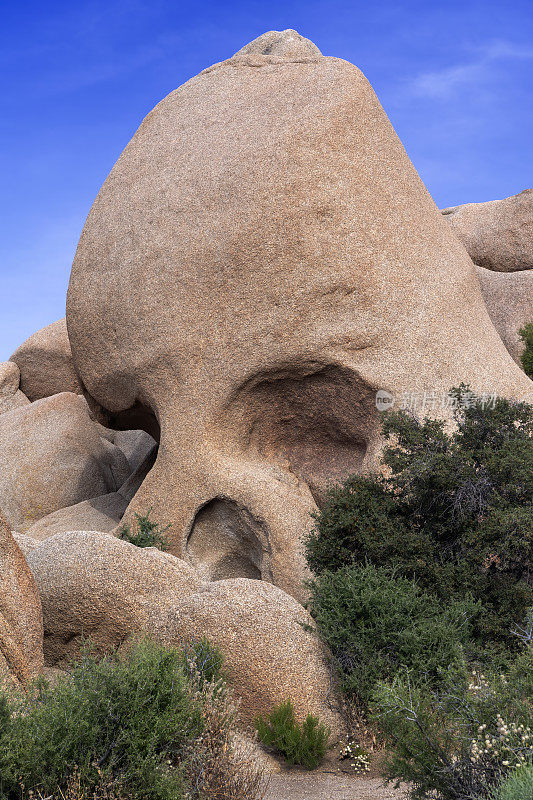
column 10, row 395
column 262, row 258
column 288, row 44
column 51, row 457
column 102, row 513
column 21, row 621
column 94, row 585
column 498, row 235
column 269, row 655
column 45, row 363
column 98, row 514
column 136, row 446
column 26, row 543
column 509, row 301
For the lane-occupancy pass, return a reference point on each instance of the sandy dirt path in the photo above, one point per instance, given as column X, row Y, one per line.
column 324, row 786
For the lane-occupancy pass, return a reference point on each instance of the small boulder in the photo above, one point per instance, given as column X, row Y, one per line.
column 498, row 235
column 287, row 44
column 102, row 513
column 509, row 301
column 21, row 621
column 52, row 456
column 95, row 585
column 10, row 395
column 45, row 363
column 136, row 446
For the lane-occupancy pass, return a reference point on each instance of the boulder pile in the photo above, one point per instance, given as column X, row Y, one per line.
column 262, row 260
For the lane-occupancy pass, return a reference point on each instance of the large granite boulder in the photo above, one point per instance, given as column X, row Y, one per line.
column 45, row 363
column 102, row 513
column 498, row 235
column 21, row 620
column 52, row 455
column 269, row 651
column 93, row 585
column 261, row 259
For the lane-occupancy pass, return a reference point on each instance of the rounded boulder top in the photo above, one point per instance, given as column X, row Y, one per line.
column 287, row 44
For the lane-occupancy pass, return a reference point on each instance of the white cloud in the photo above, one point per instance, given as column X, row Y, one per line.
column 442, row 84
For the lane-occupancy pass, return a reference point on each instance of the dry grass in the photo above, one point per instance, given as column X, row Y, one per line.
column 359, row 728
column 74, row 790
column 221, row 769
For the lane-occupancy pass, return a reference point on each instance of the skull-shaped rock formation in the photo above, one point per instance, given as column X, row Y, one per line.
column 21, row 618
column 261, row 259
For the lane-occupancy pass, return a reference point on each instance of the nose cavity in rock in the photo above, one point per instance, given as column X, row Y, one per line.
column 226, row 541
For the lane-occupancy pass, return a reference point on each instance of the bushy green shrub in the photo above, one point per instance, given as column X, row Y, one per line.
column 460, row 742
column 455, row 511
column 127, row 717
column 134, row 725
column 146, row 532
column 526, row 334
column 376, row 622
column 303, row 744
column 360, row 520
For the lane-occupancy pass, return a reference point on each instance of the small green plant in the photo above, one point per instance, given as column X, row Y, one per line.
column 304, row 745
column 146, row 533
column 518, row 786
column 526, row 334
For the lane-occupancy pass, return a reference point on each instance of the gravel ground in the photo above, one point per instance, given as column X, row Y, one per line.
column 324, row 786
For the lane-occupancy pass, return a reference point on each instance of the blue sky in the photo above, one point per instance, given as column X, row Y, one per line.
column 455, row 78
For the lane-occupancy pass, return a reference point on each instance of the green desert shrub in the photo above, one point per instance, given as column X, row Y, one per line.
column 360, row 520
column 134, row 725
column 127, row 718
column 376, row 622
column 145, row 533
column 463, row 741
column 526, row 334
column 518, row 786
column 304, row 745
column 455, row 511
